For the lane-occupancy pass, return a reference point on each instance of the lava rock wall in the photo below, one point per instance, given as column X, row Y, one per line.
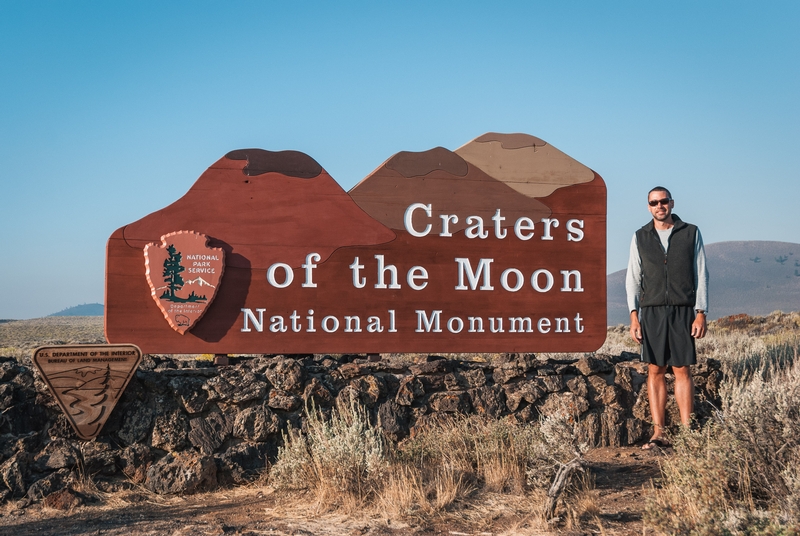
column 186, row 426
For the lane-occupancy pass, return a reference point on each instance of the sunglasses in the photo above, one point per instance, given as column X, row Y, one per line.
column 663, row 202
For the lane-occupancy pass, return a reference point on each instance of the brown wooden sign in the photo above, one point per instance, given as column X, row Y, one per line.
column 87, row 380
column 498, row 246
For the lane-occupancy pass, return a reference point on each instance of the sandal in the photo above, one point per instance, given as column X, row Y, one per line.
column 657, row 442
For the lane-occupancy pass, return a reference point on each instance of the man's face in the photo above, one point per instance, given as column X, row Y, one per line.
column 663, row 205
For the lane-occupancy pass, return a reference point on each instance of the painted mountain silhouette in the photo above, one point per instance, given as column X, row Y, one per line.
column 493, row 170
column 251, row 198
column 199, row 281
column 752, row 277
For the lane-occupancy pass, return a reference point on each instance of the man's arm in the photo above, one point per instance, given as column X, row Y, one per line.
column 699, row 326
column 633, row 286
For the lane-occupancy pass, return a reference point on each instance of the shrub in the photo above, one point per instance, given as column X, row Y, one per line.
column 739, row 474
column 346, row 463
column 341, row 459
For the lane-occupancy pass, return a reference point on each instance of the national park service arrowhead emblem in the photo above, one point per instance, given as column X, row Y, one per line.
column 184, row 275
column 87, row 380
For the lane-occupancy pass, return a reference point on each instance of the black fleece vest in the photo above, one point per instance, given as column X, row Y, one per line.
column 667, row 276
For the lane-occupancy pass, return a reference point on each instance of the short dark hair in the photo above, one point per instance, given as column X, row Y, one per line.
column 659, row 189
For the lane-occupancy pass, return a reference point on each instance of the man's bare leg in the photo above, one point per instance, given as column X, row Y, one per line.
column 684, row 393
column 657, row 393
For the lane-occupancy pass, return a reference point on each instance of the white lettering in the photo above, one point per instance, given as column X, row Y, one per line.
column 446, row 220
column 409, row 216
column 499, row 232
column 325, row 324
column 476, row 229
column 258, row 324
column 566, row 275
column 524, row 324
column 430, row 324
column 392, row 269
column 575, row 230
column 287, row 270
column 524, row 224
column 464, row 267
column 475, row 324
column 542, row 324
column 499, row 324
column 548, row 278
column 349, row 321
column 417, row 272
column 309, row 265
column 455, row 321
column 504, row 279
column 358, row 282
column 374, row 325
column 277, row 325
column 548, row 224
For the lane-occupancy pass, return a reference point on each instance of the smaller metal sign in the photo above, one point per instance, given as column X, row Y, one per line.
column 87, row 380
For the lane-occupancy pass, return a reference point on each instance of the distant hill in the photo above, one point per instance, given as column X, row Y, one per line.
column 87, row 309
column 755, row 277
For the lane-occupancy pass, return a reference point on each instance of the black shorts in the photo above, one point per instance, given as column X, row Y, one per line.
column 667, row 335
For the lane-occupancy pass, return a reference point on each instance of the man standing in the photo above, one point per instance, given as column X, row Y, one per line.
column 667, row 287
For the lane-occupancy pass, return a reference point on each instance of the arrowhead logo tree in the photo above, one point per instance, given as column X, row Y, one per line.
column 183, row 274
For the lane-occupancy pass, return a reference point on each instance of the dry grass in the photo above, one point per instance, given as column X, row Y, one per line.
column 456, row 465
column 739, row 474
column 20, row 337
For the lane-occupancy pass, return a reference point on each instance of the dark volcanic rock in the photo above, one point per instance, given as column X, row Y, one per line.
column 64, row 499
column 317, row 394
column 14, row 472
column 136, row 425
column 240, row 464
column 191, row 394
column 488, row 401
column 237, row 386
column 410, row 390
column 47, row 485
column 134, row 462
column 258, row 424
column 184, row 472
column 99, row 458
column 171, row 431
column 450, row 402
column 393, row 420
column 208, row 433
column 58, row 454
column 287, row 375
column 283, row 400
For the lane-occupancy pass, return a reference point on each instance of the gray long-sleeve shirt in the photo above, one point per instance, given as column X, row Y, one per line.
column 633, row 279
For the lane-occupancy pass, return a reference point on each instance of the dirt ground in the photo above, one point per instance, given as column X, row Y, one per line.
column 621, row 480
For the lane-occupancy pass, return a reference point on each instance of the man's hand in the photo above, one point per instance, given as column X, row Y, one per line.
column 699, row 326
column 636, row 327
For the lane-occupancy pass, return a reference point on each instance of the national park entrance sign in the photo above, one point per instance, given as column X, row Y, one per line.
column 499, row 246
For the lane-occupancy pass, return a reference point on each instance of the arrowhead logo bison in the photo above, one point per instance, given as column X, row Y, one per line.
column 184, row 275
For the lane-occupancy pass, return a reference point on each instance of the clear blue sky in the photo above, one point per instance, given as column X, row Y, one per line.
column 111, row 110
